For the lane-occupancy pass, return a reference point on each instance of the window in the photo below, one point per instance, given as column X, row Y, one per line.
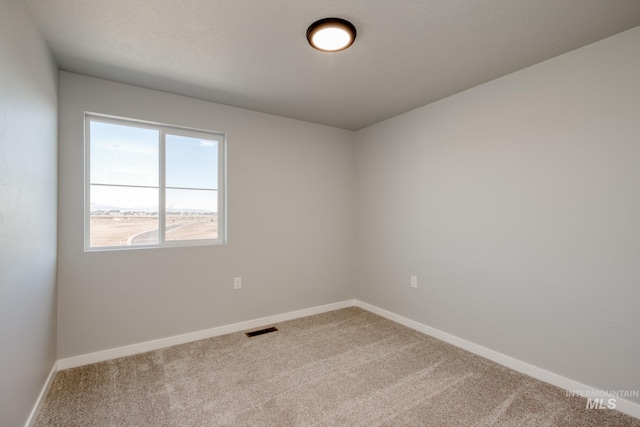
column 150, row 185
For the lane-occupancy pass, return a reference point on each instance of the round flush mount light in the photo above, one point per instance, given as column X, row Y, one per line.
column 331, row 34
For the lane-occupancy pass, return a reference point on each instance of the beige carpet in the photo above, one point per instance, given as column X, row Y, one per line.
column 347, row 367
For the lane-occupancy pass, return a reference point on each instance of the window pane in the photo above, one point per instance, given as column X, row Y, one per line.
column 152, row 185
column 124, row 155
column 123, row 216
column 191, row 162
column 192, row 214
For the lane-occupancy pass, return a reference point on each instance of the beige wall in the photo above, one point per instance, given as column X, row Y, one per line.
column 28, row 200
column 517, row 205
column 290, row 226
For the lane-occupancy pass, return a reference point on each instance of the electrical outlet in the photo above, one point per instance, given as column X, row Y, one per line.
column 414, row 282
column 237, row 282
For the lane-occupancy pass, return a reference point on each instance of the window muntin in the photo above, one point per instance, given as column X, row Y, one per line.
column 151, row 185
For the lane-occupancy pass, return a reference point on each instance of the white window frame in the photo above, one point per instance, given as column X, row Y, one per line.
column 163, row 129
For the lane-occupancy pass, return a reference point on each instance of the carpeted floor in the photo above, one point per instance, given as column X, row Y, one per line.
column 347, row 367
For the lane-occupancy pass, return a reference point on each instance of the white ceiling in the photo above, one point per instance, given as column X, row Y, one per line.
column 254, row 54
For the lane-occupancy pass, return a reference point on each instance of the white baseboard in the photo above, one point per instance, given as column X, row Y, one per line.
column 129, row 350
column 622, row 405
column 45, row 389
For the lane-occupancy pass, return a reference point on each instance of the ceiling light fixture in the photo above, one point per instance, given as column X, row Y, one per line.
column 331, row 34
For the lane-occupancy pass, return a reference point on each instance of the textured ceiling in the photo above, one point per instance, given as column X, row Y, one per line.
column 254, row 54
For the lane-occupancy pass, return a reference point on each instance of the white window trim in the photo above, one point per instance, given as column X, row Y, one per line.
column 220, row 137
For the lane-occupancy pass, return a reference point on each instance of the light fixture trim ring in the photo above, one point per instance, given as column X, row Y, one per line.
column 325, row 23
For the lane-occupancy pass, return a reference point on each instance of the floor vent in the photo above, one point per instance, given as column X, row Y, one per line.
column 261, row 331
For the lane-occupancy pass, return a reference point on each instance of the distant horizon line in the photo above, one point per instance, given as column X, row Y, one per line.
column 146, row 212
